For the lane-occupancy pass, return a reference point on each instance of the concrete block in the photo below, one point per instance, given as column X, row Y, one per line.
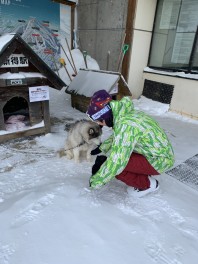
column 87, row 15
column 112, row 14
column 87, row 2
column 87, row 41
column 108, row 40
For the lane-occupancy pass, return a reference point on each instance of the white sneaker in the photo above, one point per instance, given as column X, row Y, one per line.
column 136, row 193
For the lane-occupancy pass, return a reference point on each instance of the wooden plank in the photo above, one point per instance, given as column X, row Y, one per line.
column 123, row 90
column 35, row 113
column 46, row 115
column 2, row 123
column 20, row 134
column 72, row 26
column 129, row 36
column 6, row 93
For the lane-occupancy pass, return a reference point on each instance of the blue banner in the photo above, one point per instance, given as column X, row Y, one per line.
column 37, row 22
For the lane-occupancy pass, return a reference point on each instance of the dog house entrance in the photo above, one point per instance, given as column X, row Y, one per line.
column 16, row 114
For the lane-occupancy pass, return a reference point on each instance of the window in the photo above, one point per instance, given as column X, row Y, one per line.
column 175, row 36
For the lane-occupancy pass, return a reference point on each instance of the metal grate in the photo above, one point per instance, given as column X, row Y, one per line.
column 187, row 172
column 157, row 91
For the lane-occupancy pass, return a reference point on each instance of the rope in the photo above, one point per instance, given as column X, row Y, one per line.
column 40, row 153
column 76, row 146
column 29, row 152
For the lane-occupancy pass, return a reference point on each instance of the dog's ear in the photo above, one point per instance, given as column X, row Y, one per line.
column 91, row 131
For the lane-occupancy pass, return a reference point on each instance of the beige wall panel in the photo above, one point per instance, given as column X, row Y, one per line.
column 185, row 95
column 145, row 14
column 139, row 59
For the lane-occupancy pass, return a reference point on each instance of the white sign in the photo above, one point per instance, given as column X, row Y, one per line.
column 39, row 93
column 16, row 82
column 16, row 60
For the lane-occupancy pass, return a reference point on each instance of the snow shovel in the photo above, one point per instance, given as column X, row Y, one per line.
column 85, row 58
column 124, row 50
column 62, row 62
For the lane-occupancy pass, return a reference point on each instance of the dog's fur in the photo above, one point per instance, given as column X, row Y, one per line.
column 83, row 136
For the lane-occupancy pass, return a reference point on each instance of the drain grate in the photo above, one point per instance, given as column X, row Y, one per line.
column 187, row 172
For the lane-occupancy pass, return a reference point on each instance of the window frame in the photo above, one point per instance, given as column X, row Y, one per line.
column 189, row 68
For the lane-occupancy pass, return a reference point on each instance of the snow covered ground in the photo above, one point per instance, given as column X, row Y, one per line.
column 48, row 215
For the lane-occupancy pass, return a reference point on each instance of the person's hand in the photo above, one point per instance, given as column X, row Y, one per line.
column 90, row 182
column 96, row 151
column 93, row 184
column 98, row 163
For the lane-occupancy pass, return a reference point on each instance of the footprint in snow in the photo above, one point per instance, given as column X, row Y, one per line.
column 33, row 210
column 5, row 252
column 156, row 251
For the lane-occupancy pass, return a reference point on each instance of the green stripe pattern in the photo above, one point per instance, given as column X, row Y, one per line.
column 134, row 131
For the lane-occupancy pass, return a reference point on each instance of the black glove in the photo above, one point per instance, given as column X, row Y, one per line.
column 98, row 163
column 96, row 151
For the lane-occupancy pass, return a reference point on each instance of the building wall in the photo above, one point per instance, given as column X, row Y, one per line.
column 184, row 100
column 145, row 12
column 185, row 94
column 101, row 28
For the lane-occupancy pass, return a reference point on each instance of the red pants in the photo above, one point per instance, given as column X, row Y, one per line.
column 137, row 171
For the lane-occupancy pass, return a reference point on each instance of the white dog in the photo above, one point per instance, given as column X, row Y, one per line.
column 83, row 136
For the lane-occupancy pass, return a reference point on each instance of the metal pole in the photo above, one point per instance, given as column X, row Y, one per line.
column 62, row 61
column 118, row 64
column 85, row 58
column 68, row 59
column 71, row 56
column 108, row 58
column 124, row 50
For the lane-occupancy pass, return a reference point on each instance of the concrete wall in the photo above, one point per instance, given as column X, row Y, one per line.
column 101, row 28
column 184, row 100
column 144, row 19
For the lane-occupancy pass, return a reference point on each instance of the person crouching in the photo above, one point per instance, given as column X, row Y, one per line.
column 137, row 150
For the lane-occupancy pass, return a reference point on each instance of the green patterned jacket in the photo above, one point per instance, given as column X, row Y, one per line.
column 133, row 131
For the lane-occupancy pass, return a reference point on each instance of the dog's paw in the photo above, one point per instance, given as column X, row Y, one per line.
column 77, row 160
column 69, row 155
column 61, row 153
column 90, row 158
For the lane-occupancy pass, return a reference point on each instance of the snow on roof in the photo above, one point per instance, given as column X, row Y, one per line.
column 21, row 75
column 4, row 39
column 34, row 58
column 87, row 82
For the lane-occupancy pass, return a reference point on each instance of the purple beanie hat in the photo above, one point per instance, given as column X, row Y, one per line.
column 98, row 107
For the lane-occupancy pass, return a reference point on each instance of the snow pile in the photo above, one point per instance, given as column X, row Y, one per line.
column 49, row 214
